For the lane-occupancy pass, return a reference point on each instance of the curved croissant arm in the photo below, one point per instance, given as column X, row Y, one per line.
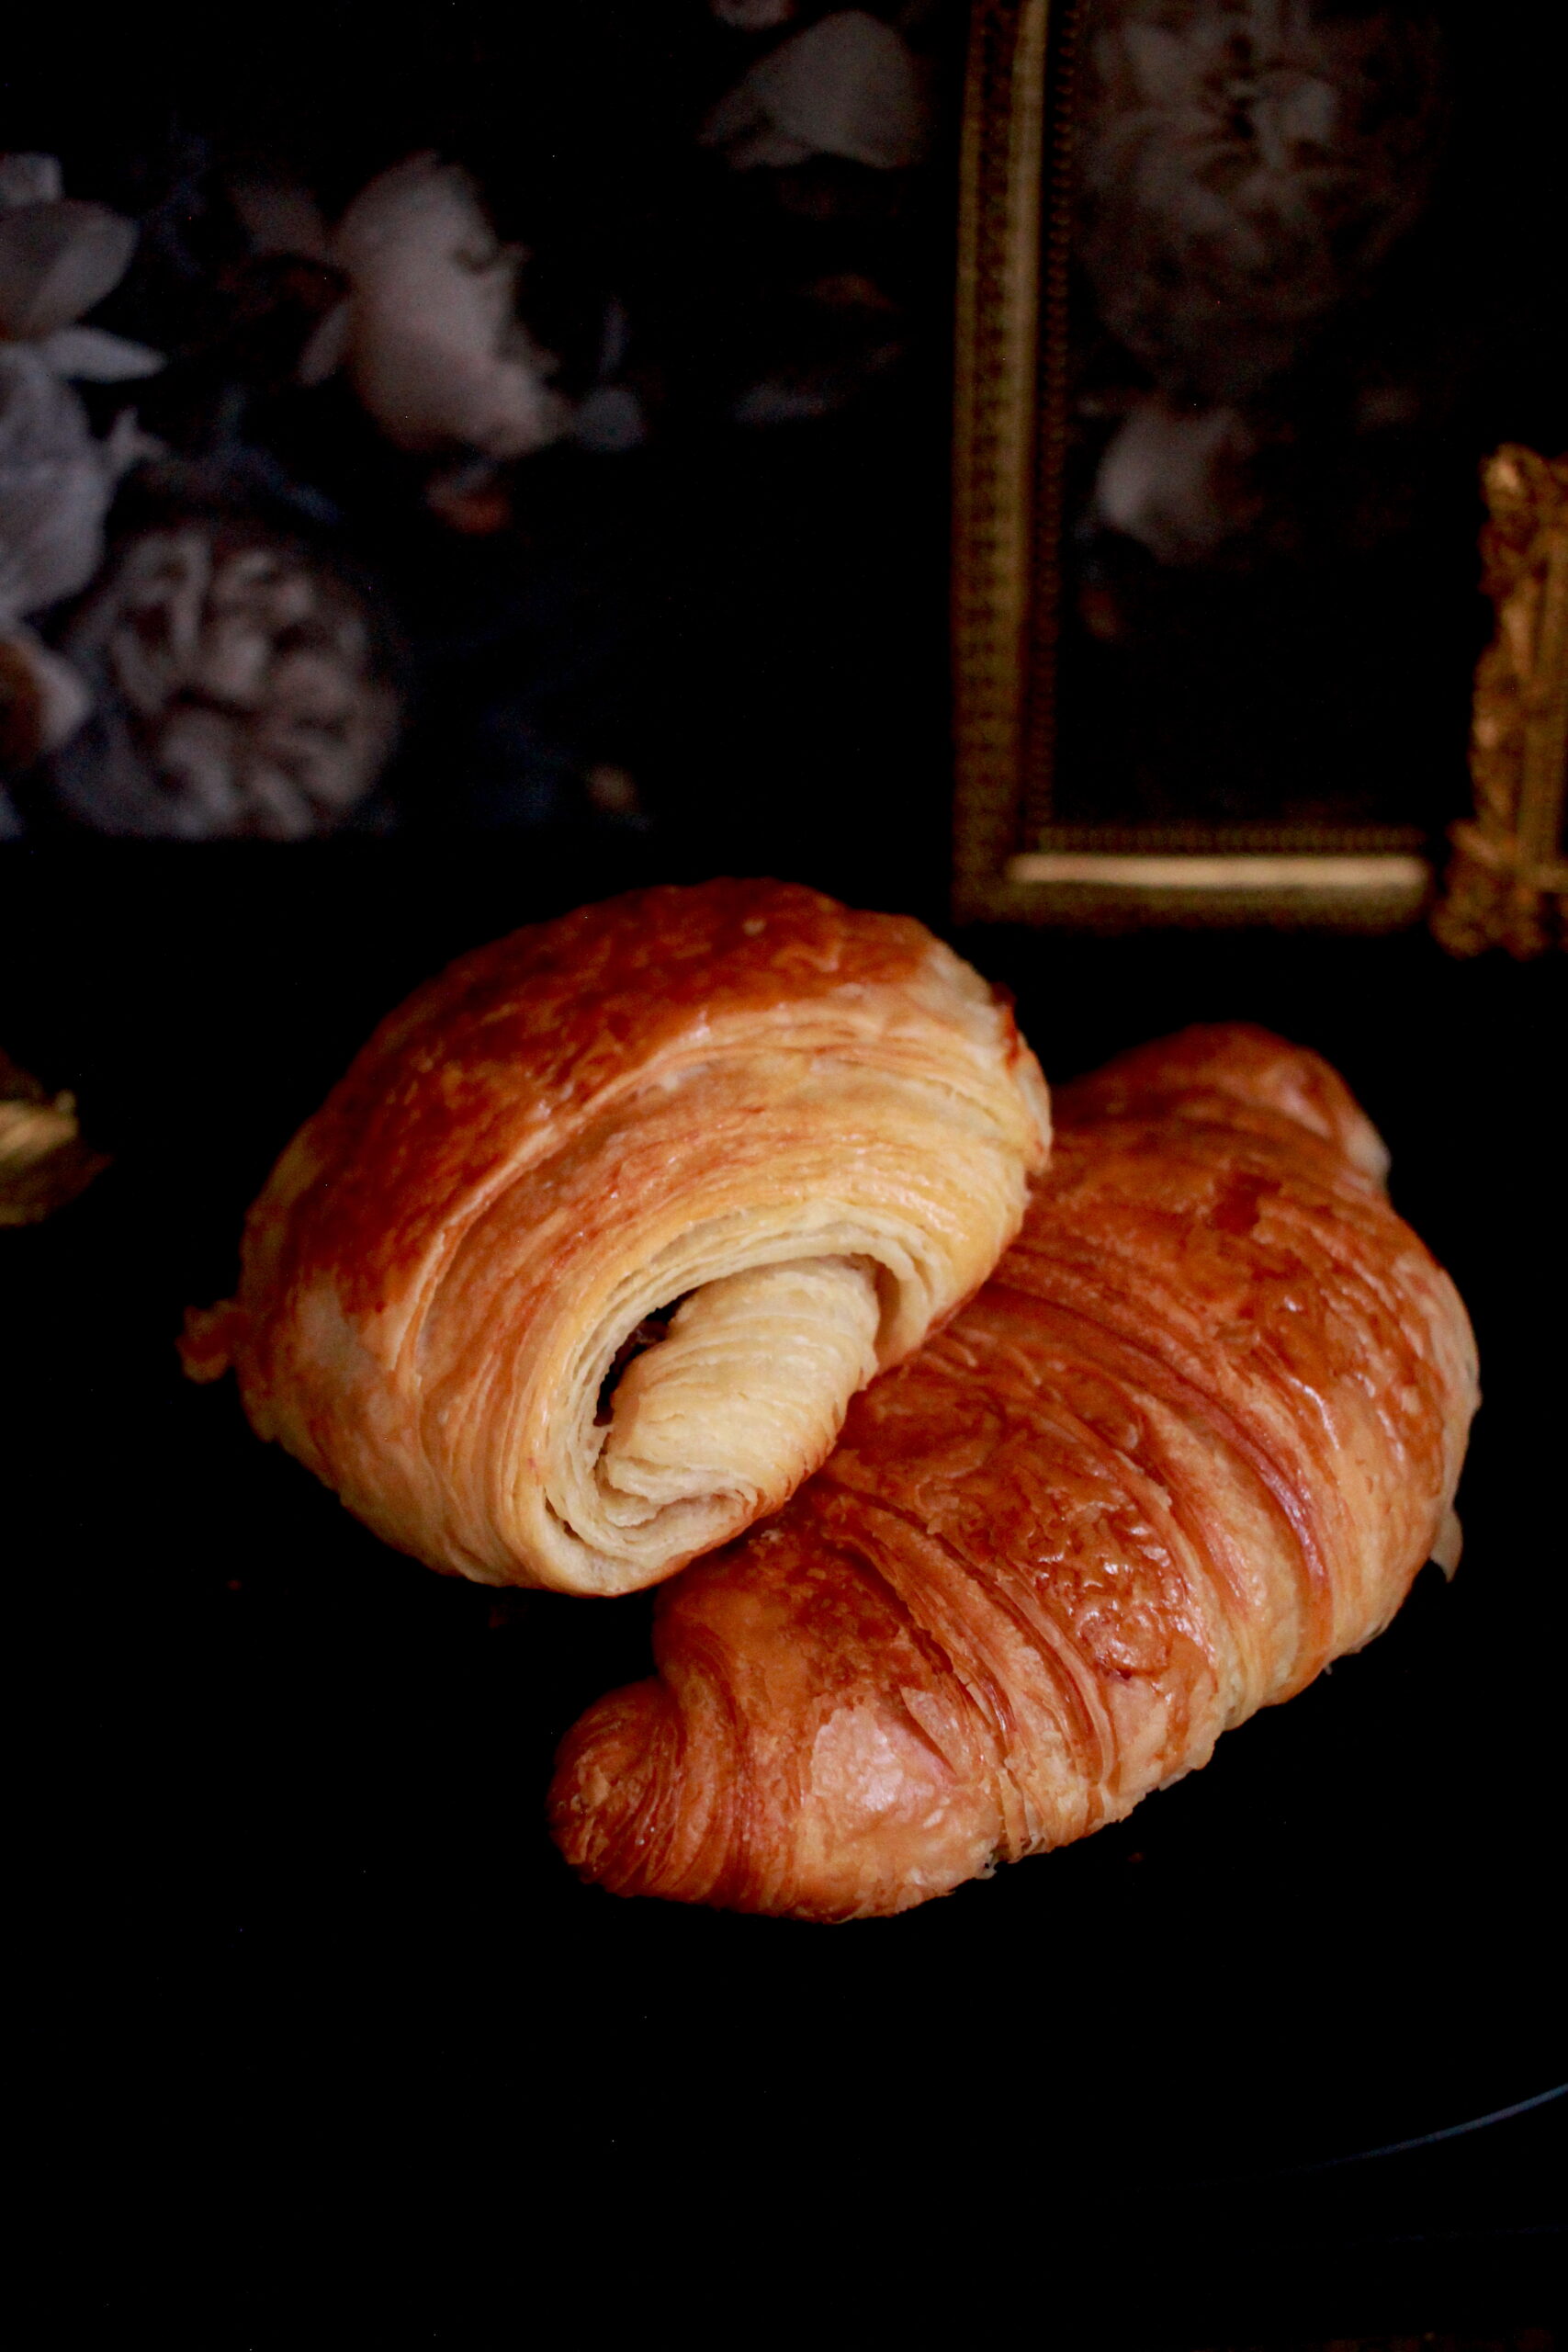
column 1194, row 1440
column 575, row 1273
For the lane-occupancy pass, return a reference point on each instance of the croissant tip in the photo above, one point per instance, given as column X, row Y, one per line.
column 207, row 1343
column 606, row 1771
column 1448, row 1545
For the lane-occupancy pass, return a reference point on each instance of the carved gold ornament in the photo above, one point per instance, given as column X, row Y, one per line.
column 43, row 1160
column 1508, row 883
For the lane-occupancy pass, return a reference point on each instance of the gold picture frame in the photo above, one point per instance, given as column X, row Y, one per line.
column 1012, row 861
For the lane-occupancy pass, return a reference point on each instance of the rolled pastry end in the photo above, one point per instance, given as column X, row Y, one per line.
column 746, row 1394
column 679, row 1795
column 716, row 1423
column 762, row 1771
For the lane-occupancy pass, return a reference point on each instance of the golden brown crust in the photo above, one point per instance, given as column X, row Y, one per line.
column 578, row 1126
column 1192, row 1440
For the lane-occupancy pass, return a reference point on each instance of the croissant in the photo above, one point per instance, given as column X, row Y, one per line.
column 576, row 1271
column 1193, row 1440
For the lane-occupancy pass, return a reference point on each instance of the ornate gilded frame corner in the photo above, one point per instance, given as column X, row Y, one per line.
column 1507, row 884
column 1010, row 861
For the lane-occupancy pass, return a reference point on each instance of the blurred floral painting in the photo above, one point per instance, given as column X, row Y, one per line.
column 526, row 421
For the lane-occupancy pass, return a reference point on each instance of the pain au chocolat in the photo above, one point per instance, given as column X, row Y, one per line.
column 575, row 1273
column 1192, row 1440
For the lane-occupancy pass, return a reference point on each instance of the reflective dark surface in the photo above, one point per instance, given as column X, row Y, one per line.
column 304, row 1961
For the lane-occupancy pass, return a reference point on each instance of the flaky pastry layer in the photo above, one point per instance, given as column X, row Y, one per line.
column 779, row 1139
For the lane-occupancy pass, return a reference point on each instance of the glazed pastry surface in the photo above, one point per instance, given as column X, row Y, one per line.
column 1193, row 1440
column 575, row 1273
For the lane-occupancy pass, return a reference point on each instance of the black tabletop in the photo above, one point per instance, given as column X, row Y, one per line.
column 294, row 1910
